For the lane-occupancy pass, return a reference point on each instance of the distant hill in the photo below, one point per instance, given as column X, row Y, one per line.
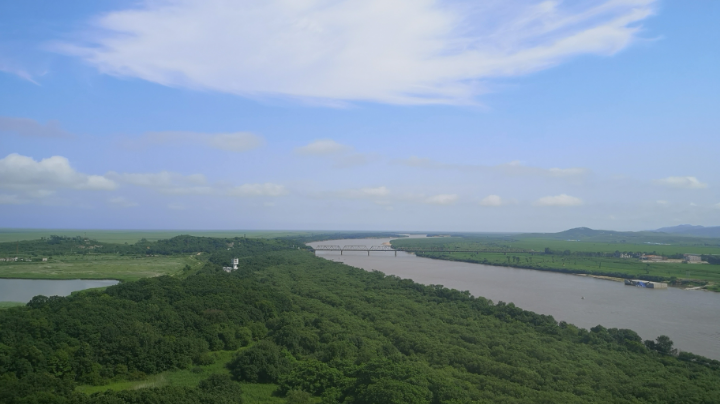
column 635, row 237
column 690, row 230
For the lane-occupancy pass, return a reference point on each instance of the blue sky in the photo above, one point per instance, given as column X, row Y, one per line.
column 407, row 115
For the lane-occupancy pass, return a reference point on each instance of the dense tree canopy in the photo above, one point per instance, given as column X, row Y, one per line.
column 319, row 327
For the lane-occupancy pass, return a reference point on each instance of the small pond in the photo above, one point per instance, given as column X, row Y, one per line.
column 23, row 290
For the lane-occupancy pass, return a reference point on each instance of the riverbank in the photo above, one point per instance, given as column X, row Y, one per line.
column 682, row 284
column 597, row 259
column 692, row 320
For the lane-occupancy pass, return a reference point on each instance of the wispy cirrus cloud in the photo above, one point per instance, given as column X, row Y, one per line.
column 682, row 182
column 442, row 199
column 253, row 190
column 122, row 202
column 342, row 156
column 11, row 199
column 513, row 168
column 31, row 128
column 401, row 52
column 367, row 192
column 17, row 71
column 322, row 147
column 495, row 200
column 176, row 184
column 559, row 200
column 233, row 142
column 166, row 182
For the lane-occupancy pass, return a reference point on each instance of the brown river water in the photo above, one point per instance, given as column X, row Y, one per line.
column 690, row 318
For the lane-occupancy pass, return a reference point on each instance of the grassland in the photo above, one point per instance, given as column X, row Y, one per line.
column 7, row 305
column 252, row 393
column 133, row 236
column 579, row 257
column 98, row 266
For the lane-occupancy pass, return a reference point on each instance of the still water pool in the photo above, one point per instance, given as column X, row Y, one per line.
column 23, row 290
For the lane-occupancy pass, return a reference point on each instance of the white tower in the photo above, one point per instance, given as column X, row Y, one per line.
column 235, row 263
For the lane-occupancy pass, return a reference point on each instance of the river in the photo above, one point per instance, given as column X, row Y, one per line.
column 690, row 318
column 23, row 290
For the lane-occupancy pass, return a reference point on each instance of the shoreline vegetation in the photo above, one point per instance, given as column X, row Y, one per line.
column 606, row 258
column 290, row 327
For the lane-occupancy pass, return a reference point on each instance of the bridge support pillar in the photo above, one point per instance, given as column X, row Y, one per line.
column 396, row 253
column 368, row 253
column 340, row 252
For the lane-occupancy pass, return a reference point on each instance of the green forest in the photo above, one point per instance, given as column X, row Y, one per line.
column 308, row 330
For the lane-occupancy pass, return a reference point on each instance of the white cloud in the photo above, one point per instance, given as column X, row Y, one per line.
column 663, row 203
column 234, row 142
column 12, row 69
column 442, row 199
column 266, row 189
column 323, row 147
column 6, row 199
column 415, row 161
column 377, row 192
column 166, row 182
column 559, row 200
column 122, row 202
column 31, row 128
column 717, row 205
column 513, row 168
column 402, row 51
column 682, row 182
column 494, row 200
column 567, row 172
column 40, row 178
column 176, row 206
column 338, row 153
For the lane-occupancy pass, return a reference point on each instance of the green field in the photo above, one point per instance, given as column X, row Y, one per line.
column 7, row 305
column 253, row 393
column 132, row 236
column 98, row 266
column 572, row 256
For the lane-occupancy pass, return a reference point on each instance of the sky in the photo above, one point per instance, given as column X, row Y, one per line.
column 402, row 115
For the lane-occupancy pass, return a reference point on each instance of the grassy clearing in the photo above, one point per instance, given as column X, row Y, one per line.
column 100, row 266
column 562, row 245
column 133, row 236
column 7, row 305
column 252, row 393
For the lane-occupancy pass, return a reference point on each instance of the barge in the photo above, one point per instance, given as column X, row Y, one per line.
column 639, row 283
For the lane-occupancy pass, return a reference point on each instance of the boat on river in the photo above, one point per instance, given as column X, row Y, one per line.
column 645, row 284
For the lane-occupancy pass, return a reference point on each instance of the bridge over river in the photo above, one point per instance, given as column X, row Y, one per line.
column 367, row 249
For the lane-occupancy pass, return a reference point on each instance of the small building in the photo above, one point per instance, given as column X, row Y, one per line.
column 44, row 259
column 693, row 258
column 235, row 262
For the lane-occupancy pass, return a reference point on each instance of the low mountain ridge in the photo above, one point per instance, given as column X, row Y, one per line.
column 690, row 230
